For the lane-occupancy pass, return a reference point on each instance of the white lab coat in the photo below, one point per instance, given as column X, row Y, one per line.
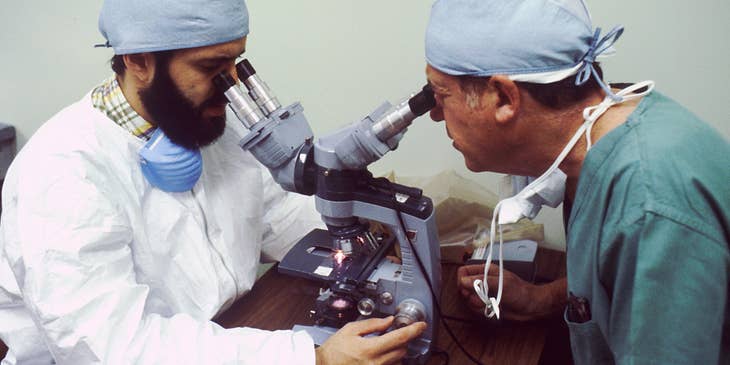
column 97, row 266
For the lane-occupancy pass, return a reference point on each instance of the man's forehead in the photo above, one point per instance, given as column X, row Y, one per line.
column 230, row 49
column 436, row 78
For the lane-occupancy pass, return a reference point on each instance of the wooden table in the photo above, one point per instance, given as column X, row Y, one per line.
column 278, row 302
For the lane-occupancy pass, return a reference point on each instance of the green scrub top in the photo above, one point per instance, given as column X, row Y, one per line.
column 647, row 242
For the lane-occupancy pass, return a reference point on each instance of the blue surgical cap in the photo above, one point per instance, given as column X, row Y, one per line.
column 539, row 41
column 136, row 26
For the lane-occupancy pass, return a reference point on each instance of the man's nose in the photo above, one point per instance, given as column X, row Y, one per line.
column 231, row 69
column 437, row 114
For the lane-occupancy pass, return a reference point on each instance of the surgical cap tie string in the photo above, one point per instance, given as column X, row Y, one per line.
column 103, row 45
column 598, row 47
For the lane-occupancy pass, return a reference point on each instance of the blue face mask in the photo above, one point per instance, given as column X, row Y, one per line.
column 168, row 166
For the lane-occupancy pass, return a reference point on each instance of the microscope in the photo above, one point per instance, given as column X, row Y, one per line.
column 349, row 258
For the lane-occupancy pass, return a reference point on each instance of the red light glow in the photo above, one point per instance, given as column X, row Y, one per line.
column 339, row 257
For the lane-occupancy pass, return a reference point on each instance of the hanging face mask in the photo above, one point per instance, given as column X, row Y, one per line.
column 170, row 167
column 548, row 189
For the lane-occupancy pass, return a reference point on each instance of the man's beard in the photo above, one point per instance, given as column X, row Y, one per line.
column 177, row 116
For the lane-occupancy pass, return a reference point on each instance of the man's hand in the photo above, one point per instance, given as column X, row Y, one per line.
column 347, row 346
column 521, row 300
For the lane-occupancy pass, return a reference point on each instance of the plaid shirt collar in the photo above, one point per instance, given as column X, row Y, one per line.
column 109, row 99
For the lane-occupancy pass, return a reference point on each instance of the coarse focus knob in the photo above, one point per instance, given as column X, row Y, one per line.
column 408, row 312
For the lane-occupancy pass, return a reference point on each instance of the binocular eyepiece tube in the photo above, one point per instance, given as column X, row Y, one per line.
column 400, row 117
column 258, row 89
column 241, row 103
column 250, row 107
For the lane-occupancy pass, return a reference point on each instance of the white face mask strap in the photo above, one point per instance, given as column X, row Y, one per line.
column 568, row 147
column 592, row 113
column 629, row 93
column 156, row 141
column 481, row 287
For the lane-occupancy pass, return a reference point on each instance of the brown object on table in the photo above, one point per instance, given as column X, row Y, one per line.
column 3, row 350
column 279, row 302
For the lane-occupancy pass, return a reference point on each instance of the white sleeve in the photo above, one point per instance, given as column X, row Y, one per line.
column 287, row 218
column 71, row 255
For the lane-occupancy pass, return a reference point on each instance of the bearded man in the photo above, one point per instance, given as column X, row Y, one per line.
column 131, row 218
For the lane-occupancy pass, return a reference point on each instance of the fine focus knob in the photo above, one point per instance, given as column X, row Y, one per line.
column 408, row 312
column 386, row 298
column 366, row 306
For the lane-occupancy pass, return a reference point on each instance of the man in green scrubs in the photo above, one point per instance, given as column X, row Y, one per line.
column 645, row 183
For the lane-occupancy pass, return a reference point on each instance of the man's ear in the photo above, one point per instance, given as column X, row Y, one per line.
column 508, row 98
column 141, row 66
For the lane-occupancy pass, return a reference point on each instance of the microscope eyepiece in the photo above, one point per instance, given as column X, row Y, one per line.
column 245, row 70
column 423, row 101
column 223, row 82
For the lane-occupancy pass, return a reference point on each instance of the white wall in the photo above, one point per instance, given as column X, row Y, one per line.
column 342, row 58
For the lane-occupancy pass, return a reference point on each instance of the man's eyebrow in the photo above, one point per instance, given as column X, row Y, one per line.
column 221, row 58
column 437, row 87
